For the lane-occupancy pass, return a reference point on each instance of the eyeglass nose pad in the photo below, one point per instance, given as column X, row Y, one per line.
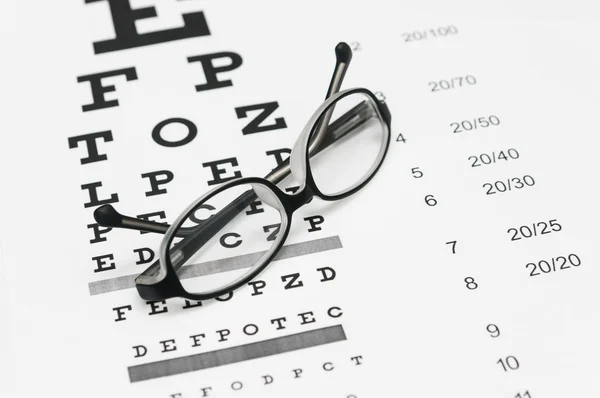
column 266, row 195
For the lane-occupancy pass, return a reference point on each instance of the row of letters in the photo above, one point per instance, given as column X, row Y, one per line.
column 256, row 287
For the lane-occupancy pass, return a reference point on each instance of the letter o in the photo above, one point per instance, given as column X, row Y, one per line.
column 225, row 297
column 237, row 384
column 248, row 333
column 191, row 134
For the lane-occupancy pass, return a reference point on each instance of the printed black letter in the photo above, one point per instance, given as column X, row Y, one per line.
column 218, row 172
column 211, row 71
column 127, row 36
column 92, row 147
column 98, row 90
column 254, row 126
column 155, row 183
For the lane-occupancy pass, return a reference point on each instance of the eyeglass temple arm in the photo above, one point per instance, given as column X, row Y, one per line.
column 108, row 216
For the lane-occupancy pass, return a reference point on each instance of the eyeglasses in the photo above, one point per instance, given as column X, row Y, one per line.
column 337, row 153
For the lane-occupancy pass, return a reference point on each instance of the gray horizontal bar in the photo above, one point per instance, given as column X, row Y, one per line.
column 240, row 353
column 225, row 264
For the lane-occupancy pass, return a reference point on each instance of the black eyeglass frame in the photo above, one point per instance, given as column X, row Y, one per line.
column 161, row 281
column 167, row 284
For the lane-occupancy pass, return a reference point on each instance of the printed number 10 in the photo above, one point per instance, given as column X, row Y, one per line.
column 510, row 363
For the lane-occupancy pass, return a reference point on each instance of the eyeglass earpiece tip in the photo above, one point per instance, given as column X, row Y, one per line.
column 343, row 52
column 107, row 216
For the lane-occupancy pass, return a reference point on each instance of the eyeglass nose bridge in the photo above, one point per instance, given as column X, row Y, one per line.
column 297, row 200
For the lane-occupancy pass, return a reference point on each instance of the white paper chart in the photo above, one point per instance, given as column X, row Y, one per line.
column 467, row 267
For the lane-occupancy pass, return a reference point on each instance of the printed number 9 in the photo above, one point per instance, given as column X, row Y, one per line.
column 493, row 330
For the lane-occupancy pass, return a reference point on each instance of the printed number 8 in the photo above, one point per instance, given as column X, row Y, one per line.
column 471, row 285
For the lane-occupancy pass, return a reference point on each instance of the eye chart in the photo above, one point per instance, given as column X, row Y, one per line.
column 467, row 267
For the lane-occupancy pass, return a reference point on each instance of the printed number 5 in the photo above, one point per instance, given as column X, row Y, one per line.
column 416, row 172
column 483, row 122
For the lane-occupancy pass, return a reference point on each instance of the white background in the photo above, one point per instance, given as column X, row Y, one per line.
column 407, row 309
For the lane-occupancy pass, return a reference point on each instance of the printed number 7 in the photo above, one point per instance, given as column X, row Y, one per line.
column 453, row 243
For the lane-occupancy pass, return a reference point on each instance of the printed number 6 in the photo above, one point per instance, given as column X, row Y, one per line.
column 430, row 200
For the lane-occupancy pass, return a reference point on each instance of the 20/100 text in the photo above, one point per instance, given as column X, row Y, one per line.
column 429, row 33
